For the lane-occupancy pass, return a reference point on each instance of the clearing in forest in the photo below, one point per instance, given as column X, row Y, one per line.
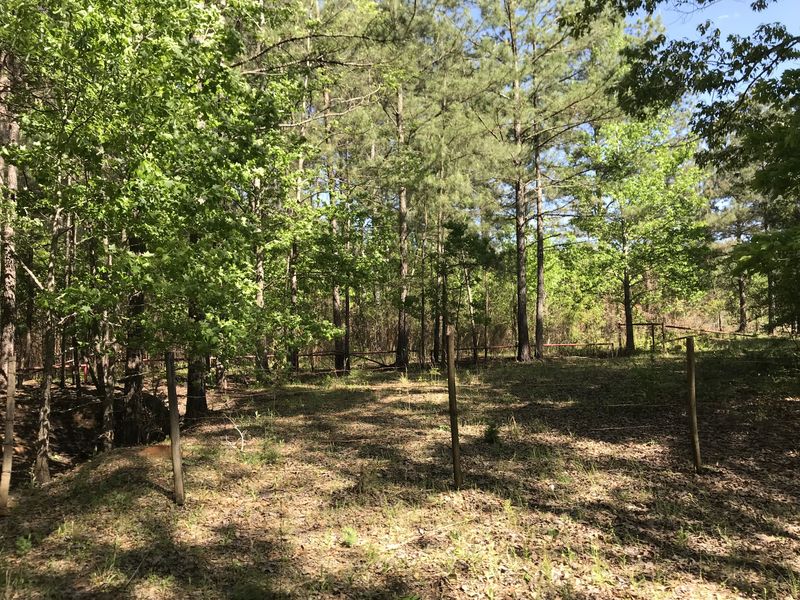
column 578, row 485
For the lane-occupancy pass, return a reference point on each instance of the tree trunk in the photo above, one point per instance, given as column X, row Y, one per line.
column 485, row 316
column 196, row 402
column 630, row 344
column 540, row 292
column 770, row 304
column 338, row 322
column 401, row 349
column 523, row 337
column 262, row 360
column 294, row 352
column 520, row 200
column 472, row 327
column 41, row 467
column 742, row 304
column 8, row 295
column 437, row 308
column 423, row 359
column 132, row 426
column 105, row 380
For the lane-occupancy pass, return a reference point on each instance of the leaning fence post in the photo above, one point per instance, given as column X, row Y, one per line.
column 690, row 371
column 174, row 429
column 451, row 392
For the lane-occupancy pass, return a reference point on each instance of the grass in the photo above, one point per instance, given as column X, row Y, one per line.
column 342, row 489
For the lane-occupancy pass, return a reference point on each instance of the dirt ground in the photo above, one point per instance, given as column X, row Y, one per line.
column 577, row 485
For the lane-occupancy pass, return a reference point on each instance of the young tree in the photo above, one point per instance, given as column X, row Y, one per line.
column 641, row 209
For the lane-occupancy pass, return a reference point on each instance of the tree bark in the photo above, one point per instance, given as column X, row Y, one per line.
column 742, row 291
column 105, row 380
column 41, row 466
column 630, row 344
column 132, row 426
column 294, row 353
column 540, row 291
column 8, row 295
column 520, row 200
column 472, row 327
column 437, row 308
column 523, row 336
column 401, row 348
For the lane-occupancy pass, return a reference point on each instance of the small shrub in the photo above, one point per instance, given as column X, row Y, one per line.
column 349, row 537
column 23, row 544
column 492, row 434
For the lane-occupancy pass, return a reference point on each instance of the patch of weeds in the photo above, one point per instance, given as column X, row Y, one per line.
column 349, row 537
column 600, row 574
column 159, row 582
column 514, row 430
column 209, row 454
column 491, row 434
column 682, row 537
column 371, row 554
column 65, row 530
column 267, row 453
column 23, row 544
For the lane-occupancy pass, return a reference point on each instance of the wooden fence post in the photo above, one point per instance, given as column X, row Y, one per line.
column 8, row 439
column 451, row 392
column 692, row 408
column 652, row 338
column 174, row 429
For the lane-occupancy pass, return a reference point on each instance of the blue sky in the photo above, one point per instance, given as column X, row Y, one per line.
column 729, row 16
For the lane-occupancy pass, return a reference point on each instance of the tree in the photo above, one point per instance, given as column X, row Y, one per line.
column 642, row 211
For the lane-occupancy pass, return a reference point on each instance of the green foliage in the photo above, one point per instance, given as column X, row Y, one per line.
column 642, row 211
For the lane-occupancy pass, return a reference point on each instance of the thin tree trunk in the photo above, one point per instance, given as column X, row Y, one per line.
column 520, row 200
column 472, row 327
column 423, row 359
column 41, row 466
column 523, row 337
column 437, row 317
column 741, row 285
column 9, row 132
column 30, row 311
column 76, row 353
column 540, row 291
column 196, row 401
column 630, row 344
column 401, row 349
column 132, row 426
column 262, row 360
column 770, row 304
column 294, row 352
column 104, row 381
column 485, row 316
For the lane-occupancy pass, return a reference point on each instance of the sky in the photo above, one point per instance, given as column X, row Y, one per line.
column 729, row 16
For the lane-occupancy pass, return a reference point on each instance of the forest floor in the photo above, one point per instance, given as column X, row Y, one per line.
column 578, row 485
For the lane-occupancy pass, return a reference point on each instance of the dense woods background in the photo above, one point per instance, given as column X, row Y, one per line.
column 266, row 179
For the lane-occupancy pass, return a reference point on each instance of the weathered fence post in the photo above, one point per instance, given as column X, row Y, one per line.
column 8, row 439
column 451, row 392
column 174, row 429
column 652, row 338
column 695, row 438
